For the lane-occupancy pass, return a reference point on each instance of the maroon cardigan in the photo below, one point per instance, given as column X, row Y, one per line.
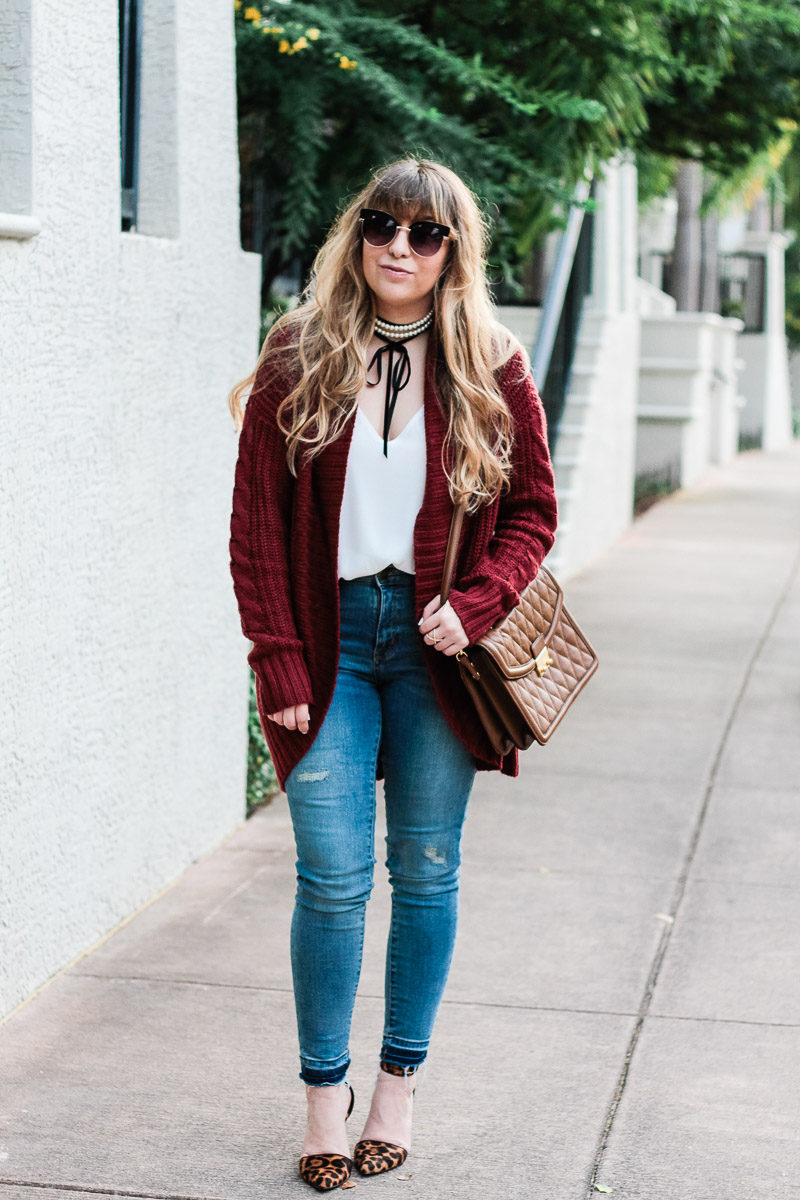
column 284, row 558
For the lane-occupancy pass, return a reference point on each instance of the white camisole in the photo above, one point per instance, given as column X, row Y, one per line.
column 382, row 496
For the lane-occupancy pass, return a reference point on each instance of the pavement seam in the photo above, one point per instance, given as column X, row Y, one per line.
column 545, row 1008
column 666, row 934
column 99, row 1191
column 724, row 1021
column 743, row 881
column 287, row 991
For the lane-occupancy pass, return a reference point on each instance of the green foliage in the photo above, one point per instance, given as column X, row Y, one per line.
column 790, row 174
column 275, row 307
column 735, row 80
column 653, row 486
column 519, row 98
column 312, row 130
column 656, row 175
column 793, row 297
column 262, row 783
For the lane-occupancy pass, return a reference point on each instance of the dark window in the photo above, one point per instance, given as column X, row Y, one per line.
column 742, row 288
column 130, row 54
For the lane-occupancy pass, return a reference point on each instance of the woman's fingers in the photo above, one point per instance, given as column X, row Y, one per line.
column 432, row 606
column 444, row 623
column 295, row 717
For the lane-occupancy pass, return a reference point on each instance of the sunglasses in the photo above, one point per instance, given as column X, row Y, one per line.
column 424, row 237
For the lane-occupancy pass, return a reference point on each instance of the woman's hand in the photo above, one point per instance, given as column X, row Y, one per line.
column 295, row 717
column 442, row 620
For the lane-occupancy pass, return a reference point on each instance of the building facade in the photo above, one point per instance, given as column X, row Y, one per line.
column 124, row 730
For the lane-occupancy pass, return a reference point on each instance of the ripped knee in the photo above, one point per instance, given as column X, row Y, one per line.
column 312, row 776
column 435, row 856
column 425, row 868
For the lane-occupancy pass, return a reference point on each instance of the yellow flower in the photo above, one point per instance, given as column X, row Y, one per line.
column 347, row 64
column 252, row 14
column 284, row 47
column 313, row 34
column 237, row 4
column 300, row 44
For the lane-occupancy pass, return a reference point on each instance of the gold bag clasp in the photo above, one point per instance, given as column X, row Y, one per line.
column 542, row 661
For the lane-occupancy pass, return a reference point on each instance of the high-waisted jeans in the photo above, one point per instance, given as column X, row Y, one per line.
column 384, row 699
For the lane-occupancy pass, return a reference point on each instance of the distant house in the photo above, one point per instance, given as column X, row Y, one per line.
column 641, row 398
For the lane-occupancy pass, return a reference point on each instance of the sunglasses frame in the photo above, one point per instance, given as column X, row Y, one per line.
column 447, row 231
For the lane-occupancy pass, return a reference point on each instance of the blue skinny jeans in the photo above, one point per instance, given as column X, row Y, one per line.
column 383, row 698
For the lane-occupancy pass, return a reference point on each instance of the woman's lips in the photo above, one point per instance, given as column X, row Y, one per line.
column 395, row 272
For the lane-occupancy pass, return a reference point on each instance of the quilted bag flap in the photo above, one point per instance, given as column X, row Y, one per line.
column 516, row 641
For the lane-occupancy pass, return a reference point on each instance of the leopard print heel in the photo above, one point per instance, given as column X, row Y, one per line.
column 327, row 1171
column 373, row 1157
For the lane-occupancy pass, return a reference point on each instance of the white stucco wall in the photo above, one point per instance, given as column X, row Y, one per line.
column 124, row 674
column 688, row 405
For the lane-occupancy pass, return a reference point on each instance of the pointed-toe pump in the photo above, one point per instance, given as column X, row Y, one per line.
column 373, row 1157
column 327, row 1171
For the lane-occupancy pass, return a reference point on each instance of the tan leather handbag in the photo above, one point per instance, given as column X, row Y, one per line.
column 527, row 670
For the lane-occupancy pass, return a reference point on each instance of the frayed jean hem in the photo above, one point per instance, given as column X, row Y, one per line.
column 325, row 1076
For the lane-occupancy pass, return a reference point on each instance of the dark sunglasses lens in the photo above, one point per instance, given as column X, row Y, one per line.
column 425, row 238
column 379, row 229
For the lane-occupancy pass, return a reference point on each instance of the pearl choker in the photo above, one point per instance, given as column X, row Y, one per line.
column 396, row 333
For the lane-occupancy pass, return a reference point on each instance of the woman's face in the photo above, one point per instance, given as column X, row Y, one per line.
column 402, row 281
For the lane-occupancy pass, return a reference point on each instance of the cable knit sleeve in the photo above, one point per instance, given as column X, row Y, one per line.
column 260, row 524
column 527, row 514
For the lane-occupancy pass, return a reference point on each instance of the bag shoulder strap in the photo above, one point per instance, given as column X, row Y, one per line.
column 456, row 521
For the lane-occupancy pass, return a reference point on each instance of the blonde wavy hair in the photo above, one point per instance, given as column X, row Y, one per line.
column 324, row 340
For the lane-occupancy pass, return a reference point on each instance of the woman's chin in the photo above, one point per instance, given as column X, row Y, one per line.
column 396, row 290
column 399, row 297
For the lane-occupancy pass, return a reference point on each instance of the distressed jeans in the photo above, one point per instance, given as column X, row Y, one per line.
column 384, row 699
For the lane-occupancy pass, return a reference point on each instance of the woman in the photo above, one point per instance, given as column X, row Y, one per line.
column 387, row 395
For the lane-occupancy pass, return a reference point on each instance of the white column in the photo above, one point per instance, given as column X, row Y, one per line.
column 767, row 413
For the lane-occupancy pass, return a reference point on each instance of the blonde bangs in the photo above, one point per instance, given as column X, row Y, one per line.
column 408, row 191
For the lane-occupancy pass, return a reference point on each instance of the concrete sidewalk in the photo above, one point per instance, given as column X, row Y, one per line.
column 624, row 1004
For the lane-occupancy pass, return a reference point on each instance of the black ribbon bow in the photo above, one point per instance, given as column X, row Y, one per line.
column 398, row 373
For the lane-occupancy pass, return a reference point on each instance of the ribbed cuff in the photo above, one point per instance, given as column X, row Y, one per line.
column 284, row 680
column 477, row 610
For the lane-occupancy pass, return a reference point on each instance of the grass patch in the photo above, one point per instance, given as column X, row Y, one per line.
column 262, row 782
column 749, row 441
column 653, row 486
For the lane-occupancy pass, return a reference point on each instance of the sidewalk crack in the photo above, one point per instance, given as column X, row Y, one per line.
column 677, row 899
column 87, row 1189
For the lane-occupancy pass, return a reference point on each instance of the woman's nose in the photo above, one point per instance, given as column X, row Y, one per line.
column 400, row 242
